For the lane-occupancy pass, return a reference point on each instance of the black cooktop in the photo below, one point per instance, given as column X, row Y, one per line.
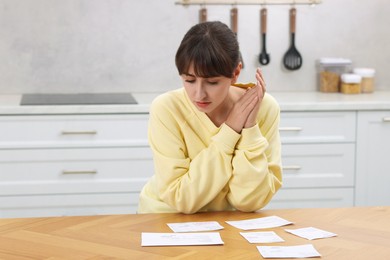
column 77, row 99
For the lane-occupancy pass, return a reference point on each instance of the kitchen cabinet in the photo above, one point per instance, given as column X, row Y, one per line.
column 318, row 157
column 87, row 160
column 53, row 165
column 372, row 160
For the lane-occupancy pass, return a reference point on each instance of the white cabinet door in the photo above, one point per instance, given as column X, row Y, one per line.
column 318, row 159
column 373, row 159
column 57, row 182
column 54, row 165
column 318, row 165
column 74, row 171
column 68, row 204
column 73, row 131
column 317, row 127
column 312, row 198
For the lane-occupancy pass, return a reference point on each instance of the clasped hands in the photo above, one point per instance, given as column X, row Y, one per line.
column 244, row 112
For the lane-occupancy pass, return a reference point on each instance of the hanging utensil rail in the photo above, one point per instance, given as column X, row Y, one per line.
column 248, row 2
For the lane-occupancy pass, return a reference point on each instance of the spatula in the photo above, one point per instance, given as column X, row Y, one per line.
column 292, row 60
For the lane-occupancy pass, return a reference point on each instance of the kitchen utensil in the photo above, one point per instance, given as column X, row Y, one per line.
column 292, row 60
column 234, row 26
column 202, row 15
column 264, row 57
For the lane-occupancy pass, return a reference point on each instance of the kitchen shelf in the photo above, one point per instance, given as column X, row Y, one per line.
column 248, row 2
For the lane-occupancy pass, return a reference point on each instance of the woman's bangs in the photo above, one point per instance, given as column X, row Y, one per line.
column 204, row 66
column 207, row 64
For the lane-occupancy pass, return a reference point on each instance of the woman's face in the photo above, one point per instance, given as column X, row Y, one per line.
column 207, row 94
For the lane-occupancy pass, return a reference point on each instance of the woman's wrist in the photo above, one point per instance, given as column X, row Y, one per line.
column 250, row 124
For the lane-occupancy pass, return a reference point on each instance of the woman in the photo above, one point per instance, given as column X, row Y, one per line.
column 216, row 147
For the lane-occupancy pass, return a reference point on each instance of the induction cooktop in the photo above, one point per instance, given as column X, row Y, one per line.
column 77, row 99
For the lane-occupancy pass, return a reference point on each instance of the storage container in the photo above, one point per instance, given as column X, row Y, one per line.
column 330, row 70
column 367, row 84
column 350, row 83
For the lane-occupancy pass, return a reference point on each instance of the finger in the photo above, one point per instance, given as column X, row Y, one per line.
column 262, row 89
column 248, row 107
column 259, row 73
column 259, row 77
column 249, row 92
column 245, row 102
column 261, row 82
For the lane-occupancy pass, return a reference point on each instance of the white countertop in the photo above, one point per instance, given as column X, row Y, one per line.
column 317, row 101
column 289, row 101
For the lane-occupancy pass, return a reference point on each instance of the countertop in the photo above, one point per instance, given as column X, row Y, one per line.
column 289, row 101
column 362, row 233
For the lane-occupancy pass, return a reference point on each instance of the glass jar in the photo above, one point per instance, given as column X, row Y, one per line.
column 367, row 84
column 350, row 83
column 330, row 70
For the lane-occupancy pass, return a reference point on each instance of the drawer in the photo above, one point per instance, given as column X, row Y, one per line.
column 318, row 165
column 317, row 127
column 65, row 171
column 73, row 131
column 312, row 198
column 68, row 205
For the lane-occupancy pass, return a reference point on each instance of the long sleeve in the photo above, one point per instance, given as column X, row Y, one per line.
column 201, row 167
column 188, row 183
column 257, row 162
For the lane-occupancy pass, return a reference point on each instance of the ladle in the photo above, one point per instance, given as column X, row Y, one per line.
column 264, row 57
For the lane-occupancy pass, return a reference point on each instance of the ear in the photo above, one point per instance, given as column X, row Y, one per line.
column 236, row 72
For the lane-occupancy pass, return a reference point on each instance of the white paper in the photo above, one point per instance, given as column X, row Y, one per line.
column 195, row 226
column 258, row 223
column 261, row 237
column 180, row 239
column 302, row 251
column 311, row 233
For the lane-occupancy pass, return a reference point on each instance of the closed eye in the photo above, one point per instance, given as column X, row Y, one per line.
column 190, row 80
column 213, row 82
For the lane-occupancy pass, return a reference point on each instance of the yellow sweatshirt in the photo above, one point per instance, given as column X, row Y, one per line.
column 202, row 167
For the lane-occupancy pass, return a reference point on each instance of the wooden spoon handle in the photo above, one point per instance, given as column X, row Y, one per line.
column 202, row 15
column 293, row 14
column 263, row 18
column 234, row 19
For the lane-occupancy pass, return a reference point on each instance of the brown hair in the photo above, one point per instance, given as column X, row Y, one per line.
column 211, row 47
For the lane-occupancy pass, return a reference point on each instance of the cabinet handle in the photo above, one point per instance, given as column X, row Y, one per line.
column 92, row 132
column 291, row 167
column 290, row 128
column 386, row 119
column 79, row 172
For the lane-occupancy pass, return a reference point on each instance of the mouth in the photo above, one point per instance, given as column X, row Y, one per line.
column 202, row 104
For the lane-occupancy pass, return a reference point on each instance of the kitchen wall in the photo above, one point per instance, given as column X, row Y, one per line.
column 122, row 45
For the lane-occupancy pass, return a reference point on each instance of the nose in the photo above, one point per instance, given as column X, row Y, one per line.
column 200, row 92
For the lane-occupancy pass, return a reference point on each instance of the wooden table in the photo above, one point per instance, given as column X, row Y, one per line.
column 363, row 233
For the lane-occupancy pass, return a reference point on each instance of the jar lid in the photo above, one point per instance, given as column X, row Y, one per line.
column 364, row 72
column 351, row 78
column 334, row 61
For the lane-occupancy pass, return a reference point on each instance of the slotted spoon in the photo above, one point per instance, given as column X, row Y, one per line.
column 292, row 60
